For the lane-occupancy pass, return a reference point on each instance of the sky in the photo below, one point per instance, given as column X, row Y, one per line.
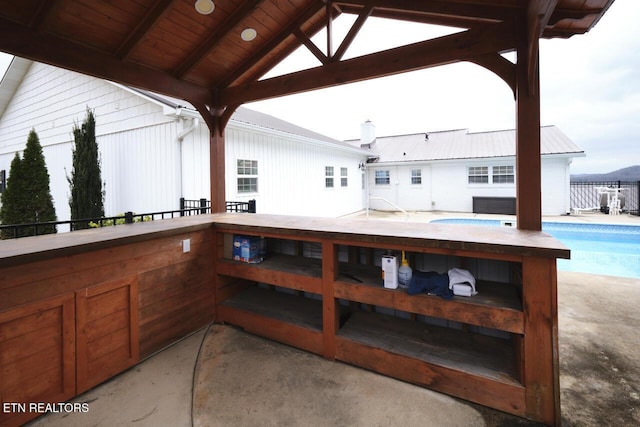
column 589, row 85
column 590, row 90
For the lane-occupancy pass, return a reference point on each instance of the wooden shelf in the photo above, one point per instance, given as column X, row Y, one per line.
column 293, row 272
column 515, row 370
column 291, row 319
column 496, row 306
column 475, row 367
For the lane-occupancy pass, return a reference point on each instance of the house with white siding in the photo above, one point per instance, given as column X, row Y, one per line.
column 155, row 150
column 459, row 171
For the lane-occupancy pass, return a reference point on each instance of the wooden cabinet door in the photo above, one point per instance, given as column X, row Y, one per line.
column 107, row 330
column 37, row 357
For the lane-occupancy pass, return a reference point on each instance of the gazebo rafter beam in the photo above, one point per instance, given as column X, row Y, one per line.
column 457, row 47
column 143, row 27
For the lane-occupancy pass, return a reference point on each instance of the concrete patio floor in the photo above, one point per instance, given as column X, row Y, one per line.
column 221, row 376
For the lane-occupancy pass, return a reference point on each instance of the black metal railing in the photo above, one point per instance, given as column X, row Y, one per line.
column 187, row 208
column 205, row 205
column 584, row 195
column 246, row 207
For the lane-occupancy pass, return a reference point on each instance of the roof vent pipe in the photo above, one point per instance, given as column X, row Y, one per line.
column 367, row 132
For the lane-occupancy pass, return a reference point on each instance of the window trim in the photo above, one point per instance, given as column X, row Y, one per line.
column 415, row 177
column 247, row 172
column 509, row 174
column 497, row 175
column 386, row 178
column 478, row 172
column 344, row 177
column 329, row 177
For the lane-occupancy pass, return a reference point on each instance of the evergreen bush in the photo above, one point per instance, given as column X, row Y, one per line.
column 87, row 194
column 11, row 198
column 27, row 198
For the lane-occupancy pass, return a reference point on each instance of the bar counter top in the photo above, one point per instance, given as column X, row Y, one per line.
column 443, row 237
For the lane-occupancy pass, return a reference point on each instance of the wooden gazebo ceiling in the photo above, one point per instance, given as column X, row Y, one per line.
column 167, row 47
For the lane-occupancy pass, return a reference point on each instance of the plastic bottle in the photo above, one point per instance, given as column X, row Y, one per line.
column 404, row 273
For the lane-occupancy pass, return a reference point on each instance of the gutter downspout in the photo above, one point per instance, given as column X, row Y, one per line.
column 195, row 123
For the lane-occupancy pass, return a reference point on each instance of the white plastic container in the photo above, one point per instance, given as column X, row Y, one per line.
column 390, row 271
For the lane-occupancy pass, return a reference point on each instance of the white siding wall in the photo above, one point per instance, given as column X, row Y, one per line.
column 291, row 175
column 128, row 129
column 195, row 164
column 445, row 186
column 140, row 169
column 388, row 192
column 556, row 186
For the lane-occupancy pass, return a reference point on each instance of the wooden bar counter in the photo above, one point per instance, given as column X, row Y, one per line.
column 499, row 348
column 78, row 308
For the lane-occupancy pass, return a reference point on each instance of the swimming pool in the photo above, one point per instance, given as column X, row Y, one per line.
column 608, row 249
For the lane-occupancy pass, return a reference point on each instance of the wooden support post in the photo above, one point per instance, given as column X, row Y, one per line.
column 217, row 170
column 541, row 359
column 528, row 167
column 330, row 312
column 216, row 120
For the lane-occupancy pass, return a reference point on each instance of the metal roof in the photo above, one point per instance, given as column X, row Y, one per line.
column 460, row 144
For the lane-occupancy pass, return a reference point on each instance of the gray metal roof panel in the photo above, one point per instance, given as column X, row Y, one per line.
column 460, row 144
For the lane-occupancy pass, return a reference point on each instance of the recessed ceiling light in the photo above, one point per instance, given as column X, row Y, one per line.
column 205, row 7
column 248, row 34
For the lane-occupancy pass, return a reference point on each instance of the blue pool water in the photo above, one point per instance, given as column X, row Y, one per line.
column 608, row 249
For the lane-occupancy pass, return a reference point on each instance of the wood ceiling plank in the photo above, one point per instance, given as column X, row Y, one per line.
column 144, row 25
column 20, row 11
column 214, row 38
column 80, row 22
column 44, row 11
column 268, row 48
column 20, row 40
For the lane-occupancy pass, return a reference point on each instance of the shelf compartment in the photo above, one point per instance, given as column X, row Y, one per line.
column 287, row 271
column 473, row 367
column 290, row 319
column 497, row 305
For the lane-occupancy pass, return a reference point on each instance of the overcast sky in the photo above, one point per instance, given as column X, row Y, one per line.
column 590, row 89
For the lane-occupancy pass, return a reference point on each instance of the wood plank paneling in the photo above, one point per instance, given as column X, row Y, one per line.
column 102, row 356
column 175, row 325
column 37, row 354
column 128, row 299
column 507, row 397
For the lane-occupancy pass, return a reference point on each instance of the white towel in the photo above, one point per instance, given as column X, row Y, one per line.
column 458, row 276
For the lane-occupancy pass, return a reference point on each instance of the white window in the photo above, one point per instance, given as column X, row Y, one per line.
column 383, row 177
column 416, row 176
column 503, row 175
column 343, row 177
column 328, row 176
column 247, row 171
column 478, row 174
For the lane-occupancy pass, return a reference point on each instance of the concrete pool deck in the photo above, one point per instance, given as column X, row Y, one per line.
column 427, row 216
column 221, row 376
